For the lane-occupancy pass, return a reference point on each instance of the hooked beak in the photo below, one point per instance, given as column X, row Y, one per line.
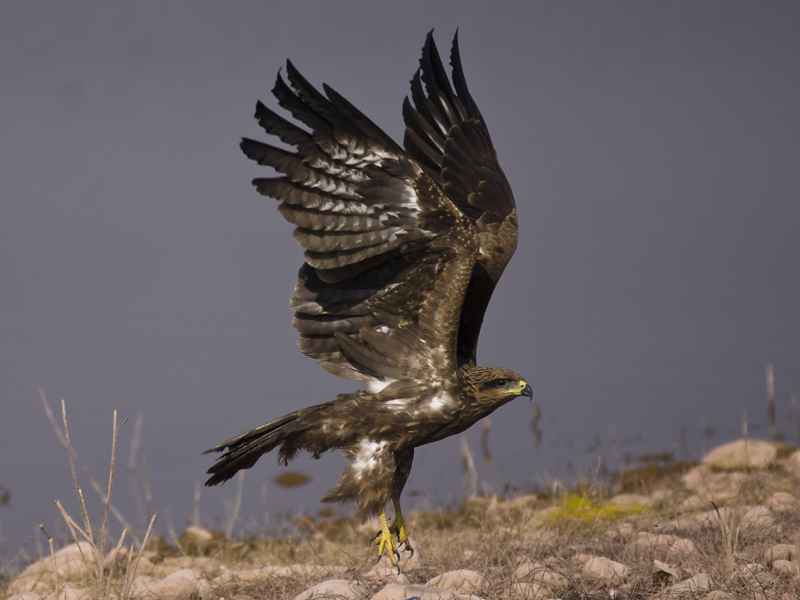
column 526, row 390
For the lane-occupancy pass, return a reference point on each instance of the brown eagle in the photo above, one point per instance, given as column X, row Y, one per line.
column 403, row 248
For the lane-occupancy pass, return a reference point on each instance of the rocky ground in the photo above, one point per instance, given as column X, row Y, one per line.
column 728, row 527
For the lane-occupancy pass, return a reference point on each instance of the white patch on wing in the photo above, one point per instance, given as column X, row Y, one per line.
column 382, row 329
column 367, row 455
column 441, row 401
column 376, row 385
column 396, row 404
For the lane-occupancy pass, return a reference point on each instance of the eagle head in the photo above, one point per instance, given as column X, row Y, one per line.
column 493, row 384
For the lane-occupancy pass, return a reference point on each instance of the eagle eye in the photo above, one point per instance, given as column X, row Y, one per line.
column 500, row 382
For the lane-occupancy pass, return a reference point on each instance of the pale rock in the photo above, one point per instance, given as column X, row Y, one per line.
column 681, row 548
column 424, row 592
column 541, row 574
column 71, row 592
column 605, row 570
column 206, row 565
column 792, row 463
column 528, row 591
column 26, row 596
column 758, row 518
column 267, row 572
column 782, row 502
column 144, row 565
column 661, row 496
column 333, row 588
column 386, row 576
column 632, row 501
column 624, row 530
column 710, row 485
column 699, row 583
column 391, row 591
column 742, row 454
column 462, row 580
column 694, row 522
column 720, row 595
column 781, row 552
column 75, row 560
column 180, row 585
column 756, row 576
column 786, row 568
column 651, row 541
column 663, row 571
column 206, row 589
column 199, row 539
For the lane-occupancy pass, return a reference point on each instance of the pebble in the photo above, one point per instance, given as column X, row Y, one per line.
column 786, row 568
column 781, row 552
column 462, row 580
column 180, row 585
column 699, row 583
column 605, row 570
column 528, row 591
column 541, row 574
column 340, row 589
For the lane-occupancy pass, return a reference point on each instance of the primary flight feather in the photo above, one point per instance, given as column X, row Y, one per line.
column 403, row 249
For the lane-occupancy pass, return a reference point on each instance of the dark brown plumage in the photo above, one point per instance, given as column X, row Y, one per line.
column 403, row 249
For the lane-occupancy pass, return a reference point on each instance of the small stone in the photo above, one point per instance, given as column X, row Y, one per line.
column 605, row 570
column 528, row 591
column 782, row 502
column 781, row 552
column 460, row 581
column 333, row 588
column 742, row 454
column 665, row 573
column 786, row 568
column 699, row 583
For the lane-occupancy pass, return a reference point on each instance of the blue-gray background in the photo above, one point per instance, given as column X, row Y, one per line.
column 653, row 147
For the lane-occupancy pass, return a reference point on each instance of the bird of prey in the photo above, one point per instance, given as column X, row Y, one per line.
column 403, row 248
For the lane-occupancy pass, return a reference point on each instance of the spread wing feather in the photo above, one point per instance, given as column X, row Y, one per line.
column 446, row 135
column 394, row 238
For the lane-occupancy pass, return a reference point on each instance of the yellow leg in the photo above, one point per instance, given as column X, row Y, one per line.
column 399, row 525
column 384, row 540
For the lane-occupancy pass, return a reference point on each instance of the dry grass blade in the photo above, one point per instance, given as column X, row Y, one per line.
column 237, row 505
column 75, row 459
column 129, row 575
column 52, row 555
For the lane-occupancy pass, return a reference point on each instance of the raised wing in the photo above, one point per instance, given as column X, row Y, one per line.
column 388, row 256
column 447, row 137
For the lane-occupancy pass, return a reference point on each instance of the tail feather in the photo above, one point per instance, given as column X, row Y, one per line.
column 242, row 452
